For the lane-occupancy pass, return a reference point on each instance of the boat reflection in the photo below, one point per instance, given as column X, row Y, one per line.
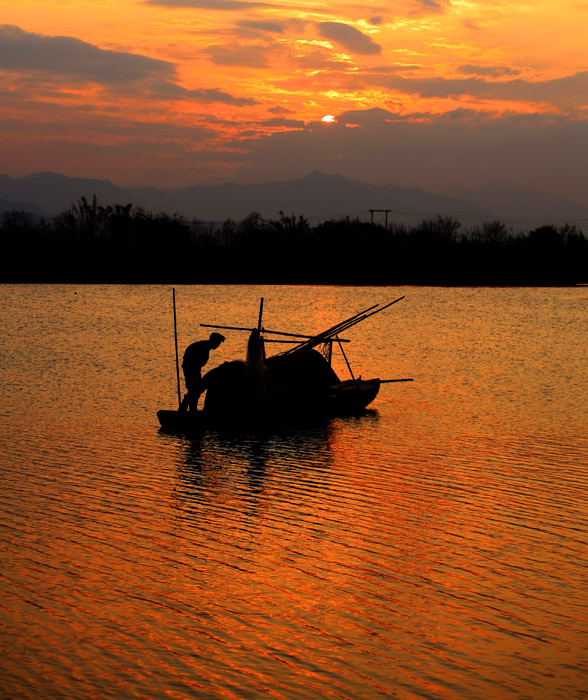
column 244, row 470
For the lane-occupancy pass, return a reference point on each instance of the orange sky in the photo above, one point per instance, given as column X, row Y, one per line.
column 176, row 92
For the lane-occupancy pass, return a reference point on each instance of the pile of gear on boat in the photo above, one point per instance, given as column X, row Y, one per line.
column 299, row 381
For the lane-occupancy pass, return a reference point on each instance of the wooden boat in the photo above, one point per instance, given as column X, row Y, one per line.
column 348, row 397
column 175, row 421
column 297, row 383
column 352, row 396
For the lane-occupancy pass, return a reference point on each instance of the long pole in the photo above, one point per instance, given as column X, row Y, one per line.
column 177, row 356
column 265, row 331
column 260, row 314
column 346, row 360
column 340, row 328
column 325, row 335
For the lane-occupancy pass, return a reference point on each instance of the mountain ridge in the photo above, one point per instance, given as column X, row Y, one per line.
column 316, row 196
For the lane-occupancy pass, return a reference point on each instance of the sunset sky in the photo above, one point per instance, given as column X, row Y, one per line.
column 429, row 93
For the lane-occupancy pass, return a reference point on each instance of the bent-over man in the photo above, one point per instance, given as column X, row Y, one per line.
column 195, row 357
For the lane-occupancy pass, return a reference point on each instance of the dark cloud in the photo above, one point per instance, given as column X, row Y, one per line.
column 35, row 56
column 367, row 117
column 320, row 59
column 281, row 122
column 172, row 91
column 462, row 148
column 432, row 5
column 24, row 52
column 348, row 37
column 61, row 120
column 396, row 68
column 568, row 93
column 492, row 71
column 236, row 55
column 226, row 5
column 263, row 27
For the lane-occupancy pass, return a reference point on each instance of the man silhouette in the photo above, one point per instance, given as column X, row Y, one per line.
column 195, row 357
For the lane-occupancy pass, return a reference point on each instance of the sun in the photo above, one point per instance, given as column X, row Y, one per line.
column 328, row 118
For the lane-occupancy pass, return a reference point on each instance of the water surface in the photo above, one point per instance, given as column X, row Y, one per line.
column 432, row 548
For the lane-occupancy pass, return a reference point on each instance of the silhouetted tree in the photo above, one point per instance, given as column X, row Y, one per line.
column 228, row 232
column 546, row 238
column 19, row 224
column 439, row 228
column 124, row 243
column 491, row 232
column 119, row 225
column 253, row 229
column 292, row 224
column 204, row 233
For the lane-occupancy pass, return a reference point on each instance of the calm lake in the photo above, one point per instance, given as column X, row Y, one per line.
column 435, row 547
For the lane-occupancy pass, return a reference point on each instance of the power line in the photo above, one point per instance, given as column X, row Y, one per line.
column 386, row 211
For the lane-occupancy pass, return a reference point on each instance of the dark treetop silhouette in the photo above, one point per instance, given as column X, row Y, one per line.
column 91, row 243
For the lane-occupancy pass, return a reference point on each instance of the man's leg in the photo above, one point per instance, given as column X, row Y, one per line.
column 195, row 389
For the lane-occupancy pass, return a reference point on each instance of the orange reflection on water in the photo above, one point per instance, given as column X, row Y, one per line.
column 435, row 545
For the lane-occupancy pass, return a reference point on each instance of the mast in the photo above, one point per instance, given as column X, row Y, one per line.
column 176, row 341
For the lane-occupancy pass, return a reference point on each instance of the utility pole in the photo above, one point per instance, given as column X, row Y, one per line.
column 385, row 211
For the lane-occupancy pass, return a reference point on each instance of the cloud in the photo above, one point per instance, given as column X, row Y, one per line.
column 257, row 28
column 263, row 27
column 282, row 122
column 320, row 59
column 253, row 56
column 279, row 110
column 173, row 91
column 348, row 37
column 226, row 5
column 462, row 148
column 399, row 67
column 569, row 92
column 492, row 71
column 432, row 5
column 24, row 52
column 62, row 57
column 65, row 124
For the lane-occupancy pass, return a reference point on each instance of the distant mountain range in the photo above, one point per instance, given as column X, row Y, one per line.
column 316, row 196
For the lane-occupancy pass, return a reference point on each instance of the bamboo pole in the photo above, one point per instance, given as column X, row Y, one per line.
column 377, row 311
column 176, row 342
column 346, row 360
column 325, row 335
column 340, row 327
column 265, row 330
column 260, row 314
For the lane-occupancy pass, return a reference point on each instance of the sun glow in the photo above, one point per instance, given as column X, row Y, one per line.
column 329, row 118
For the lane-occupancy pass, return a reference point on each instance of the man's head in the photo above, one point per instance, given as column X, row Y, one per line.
column 215, row 340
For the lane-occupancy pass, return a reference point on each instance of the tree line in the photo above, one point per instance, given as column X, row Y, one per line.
column 122, row 243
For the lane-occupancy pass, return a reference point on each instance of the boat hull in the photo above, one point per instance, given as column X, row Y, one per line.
column 344, row 398
column 352, row 396
column 181, row 421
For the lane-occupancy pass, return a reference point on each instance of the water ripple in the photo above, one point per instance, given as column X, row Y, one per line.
column 433, row 548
